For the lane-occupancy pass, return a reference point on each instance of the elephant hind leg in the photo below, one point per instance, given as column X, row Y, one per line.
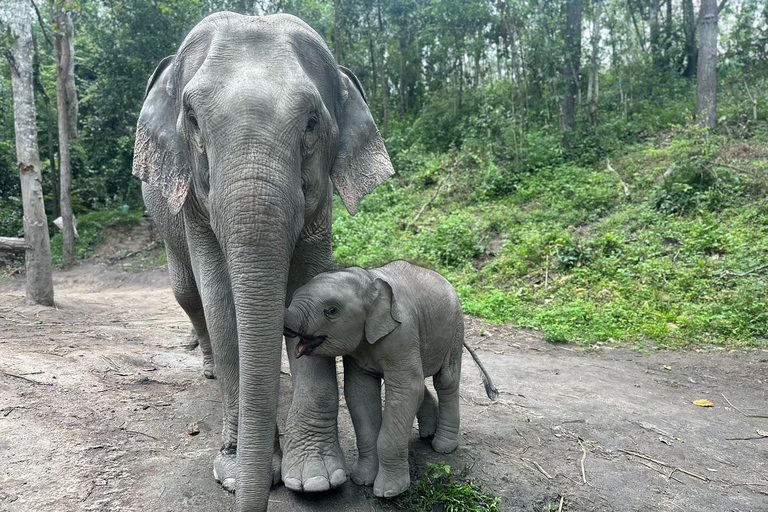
column 427, row 415
column 446, row 383
column 188, row 297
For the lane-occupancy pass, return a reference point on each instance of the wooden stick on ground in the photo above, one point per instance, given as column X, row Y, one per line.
column 583, row 458
column 9, row 374
column 643, row 456
column 742, row 412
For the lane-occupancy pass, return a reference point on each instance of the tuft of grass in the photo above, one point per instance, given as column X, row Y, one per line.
column 440, row 489
column 91, row 229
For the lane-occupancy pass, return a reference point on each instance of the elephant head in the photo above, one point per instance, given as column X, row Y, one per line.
column 244, row 130
column 337, row 311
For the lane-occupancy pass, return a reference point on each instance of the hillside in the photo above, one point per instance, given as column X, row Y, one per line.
column 662, row 242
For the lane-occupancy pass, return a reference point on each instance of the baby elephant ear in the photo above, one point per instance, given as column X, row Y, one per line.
column 362, row 162
column 381, row 316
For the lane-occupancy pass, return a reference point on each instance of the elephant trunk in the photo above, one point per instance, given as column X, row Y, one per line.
column 260, row 219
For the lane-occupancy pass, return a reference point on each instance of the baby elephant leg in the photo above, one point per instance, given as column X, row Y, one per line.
column 427, row 415
column 362, row 392
column 404, row 393
column 446, row 383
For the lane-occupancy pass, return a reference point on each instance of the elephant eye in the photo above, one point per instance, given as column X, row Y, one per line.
column 331, row 311
column 193, row 120
column 311, row 124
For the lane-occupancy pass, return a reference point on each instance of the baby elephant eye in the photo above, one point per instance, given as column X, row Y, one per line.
column 331, row 311
column 311, row 124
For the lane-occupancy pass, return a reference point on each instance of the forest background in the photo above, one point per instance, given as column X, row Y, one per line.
column 549, row 158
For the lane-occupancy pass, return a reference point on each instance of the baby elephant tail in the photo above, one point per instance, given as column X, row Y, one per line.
column 490, row 389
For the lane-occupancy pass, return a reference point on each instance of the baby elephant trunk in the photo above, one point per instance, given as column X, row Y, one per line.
column 490, row 389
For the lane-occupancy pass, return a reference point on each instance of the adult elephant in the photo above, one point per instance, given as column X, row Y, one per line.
column 239, row 138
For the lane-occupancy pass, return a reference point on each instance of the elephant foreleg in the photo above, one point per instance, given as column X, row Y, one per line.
column 363, row 394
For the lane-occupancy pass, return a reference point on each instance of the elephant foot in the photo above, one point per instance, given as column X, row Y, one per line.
column 442, row 444
column 312, row 465
column 192, row 341
column 208, row 368
column 392, row 481
column 225, row 467
column 365, row 470
column 427, row 415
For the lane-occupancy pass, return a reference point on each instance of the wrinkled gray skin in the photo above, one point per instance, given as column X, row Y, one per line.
column 400, row 322
column 238, row 141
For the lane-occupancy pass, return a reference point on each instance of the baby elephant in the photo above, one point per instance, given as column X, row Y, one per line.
column 400, row 322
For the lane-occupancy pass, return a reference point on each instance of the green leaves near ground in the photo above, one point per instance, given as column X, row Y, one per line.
column 661, row 244
column 441, row 490
column 91, row 229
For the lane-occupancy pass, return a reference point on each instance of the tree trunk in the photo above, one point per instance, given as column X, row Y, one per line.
column 336, row 37
column 706, row 82
column 372, row 54
column 690, row 50
column 66, row 102
column 38, row 253
column 668, row 29
column 571, row 69
column 656, row 55
column 384, row 79
column 593, row 90
column 55, row 194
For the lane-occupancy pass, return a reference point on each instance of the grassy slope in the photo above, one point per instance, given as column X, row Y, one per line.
column 572, row 252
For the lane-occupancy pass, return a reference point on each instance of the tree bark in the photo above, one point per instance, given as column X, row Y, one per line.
column 690, row 50
column 656, row 54
column 384, row 78
column 571, row 70
column 38, row 252
column 66, row 102
column 55, row 194
column 706, row 81
column 593, row 90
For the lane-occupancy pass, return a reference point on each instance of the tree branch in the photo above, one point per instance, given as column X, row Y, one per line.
column 720, row 7
column 42, row 23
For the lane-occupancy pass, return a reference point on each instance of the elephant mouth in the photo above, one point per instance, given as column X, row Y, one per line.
column 306, row 343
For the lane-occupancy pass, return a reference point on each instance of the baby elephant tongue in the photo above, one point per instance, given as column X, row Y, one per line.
column 307, row 344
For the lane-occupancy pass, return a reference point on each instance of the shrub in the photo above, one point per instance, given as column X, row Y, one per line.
column 453, row 243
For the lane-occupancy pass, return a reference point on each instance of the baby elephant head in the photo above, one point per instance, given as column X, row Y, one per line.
column 336, row 311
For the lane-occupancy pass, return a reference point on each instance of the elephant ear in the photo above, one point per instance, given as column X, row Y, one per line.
column 362, row 162
column 158, row 155
column 382, row 315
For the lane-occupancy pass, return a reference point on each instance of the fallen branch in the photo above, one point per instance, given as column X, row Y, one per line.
column 745, row 438
column 538, row 467
column 583, row 458
column 727, row 273
column 428, row 203
column 624, row 185
column 742, row 412
column 668, row 476
column 26, row 379
column 645, row 457
column 14, row 245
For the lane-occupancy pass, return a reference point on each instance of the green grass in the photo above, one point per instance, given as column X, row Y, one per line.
column 440, row 489
column 576, row 256
column 91, row 229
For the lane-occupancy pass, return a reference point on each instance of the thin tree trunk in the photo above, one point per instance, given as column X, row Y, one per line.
column 372, row 54
column 706, row 81
column 572, row 67
column 66, row 102
column 38, row 253
column 55, row 195
column 593, row 90
column 336, row 37
column 656, row 34
column 384, row 79
column 668, row 28
column 690, row 50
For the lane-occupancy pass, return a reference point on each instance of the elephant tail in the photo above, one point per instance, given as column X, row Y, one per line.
column 490, row 389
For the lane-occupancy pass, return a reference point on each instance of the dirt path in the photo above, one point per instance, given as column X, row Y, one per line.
column 97, row 396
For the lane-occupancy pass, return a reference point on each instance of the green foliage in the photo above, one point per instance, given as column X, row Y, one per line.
column 440, row 489
column 91, row 229
column 453, row 243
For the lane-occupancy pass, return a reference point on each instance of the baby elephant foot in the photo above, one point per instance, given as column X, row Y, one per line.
column 443, row 444
column 392, row 481
column 208, row 368
column 427, row 415
column 313, row 467
column 365, row 470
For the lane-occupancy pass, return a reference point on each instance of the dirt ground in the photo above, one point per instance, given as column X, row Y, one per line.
column 98, row 398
